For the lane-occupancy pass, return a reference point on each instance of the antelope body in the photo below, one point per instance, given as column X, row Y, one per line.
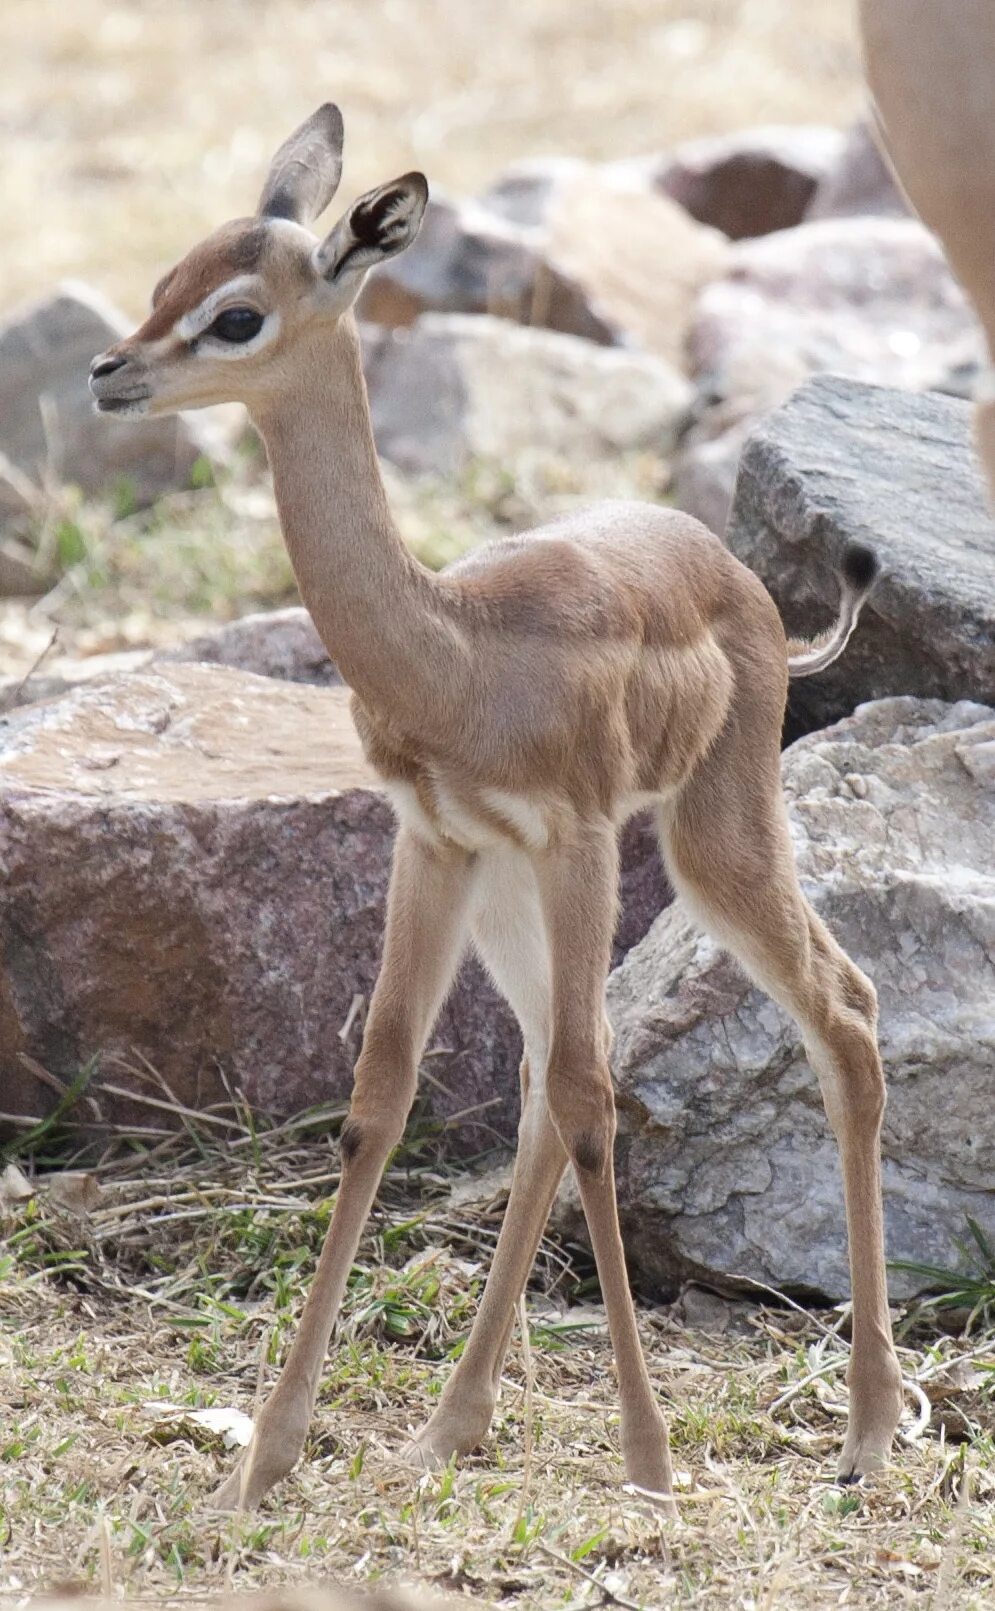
column 518, row 708
column 930, row 66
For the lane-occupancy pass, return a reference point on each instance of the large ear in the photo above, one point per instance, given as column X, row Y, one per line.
column 379, row 225
column 304, row 175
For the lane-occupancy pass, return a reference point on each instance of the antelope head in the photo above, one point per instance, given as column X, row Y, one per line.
column 229, row 320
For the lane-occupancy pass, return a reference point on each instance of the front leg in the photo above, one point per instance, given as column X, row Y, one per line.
column 426, row 926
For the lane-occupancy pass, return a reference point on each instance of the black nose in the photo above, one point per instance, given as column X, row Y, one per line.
column 106, row 366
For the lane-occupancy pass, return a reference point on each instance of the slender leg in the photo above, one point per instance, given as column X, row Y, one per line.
column 578, row 890
column 508, row 932
column 426, row 924
column 464, row 1412
column 750, row 901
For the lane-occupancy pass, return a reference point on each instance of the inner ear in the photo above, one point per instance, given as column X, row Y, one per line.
column 304, row 175
column 377, row 226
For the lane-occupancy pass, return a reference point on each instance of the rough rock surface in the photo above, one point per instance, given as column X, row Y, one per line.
column 566, row 272
column 753, row 181
column 842, row 461
column 193, row 866
column 726, row 1163
column 859, row 182
column 47, row 423
column 868, row 297
column 454, row 388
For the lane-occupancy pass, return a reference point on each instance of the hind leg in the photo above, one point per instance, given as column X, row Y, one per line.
column 730, row 857
column 507, row 929
column 578, row 882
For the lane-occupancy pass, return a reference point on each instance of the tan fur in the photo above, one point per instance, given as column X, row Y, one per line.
column 518, row 707
column 931, row 66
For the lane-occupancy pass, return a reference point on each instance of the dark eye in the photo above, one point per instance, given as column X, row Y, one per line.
column 236, row 324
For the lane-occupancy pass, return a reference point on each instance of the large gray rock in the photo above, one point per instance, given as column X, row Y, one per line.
column 844, row 461
column 726, row 1163
column 270, row 643
column 753, row 181
column 47, row 424
column 193, row 868
column 454, row 388
column 867, row 297
column 608, row 259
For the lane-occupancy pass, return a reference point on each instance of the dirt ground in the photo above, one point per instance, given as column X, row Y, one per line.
column 168, row 1282
column 132, row 128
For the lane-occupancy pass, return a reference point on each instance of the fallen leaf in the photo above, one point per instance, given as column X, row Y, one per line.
column 203, row 1427
column 75, row 1189
column 14, row 1186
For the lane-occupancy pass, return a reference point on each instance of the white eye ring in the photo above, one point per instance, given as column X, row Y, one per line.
column 218, row 347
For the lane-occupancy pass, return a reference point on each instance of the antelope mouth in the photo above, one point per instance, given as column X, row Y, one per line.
column 133, row 403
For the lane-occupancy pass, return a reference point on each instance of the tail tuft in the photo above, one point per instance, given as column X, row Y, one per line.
column 860, row 567
column 859, row 570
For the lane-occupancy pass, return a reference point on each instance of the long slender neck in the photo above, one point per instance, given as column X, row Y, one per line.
column 378, row 611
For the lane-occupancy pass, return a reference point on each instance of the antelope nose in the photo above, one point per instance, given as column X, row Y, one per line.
column 106, row 366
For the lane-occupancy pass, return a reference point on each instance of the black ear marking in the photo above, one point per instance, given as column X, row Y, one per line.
column 382, row 217
column 370, row 218
column 378, row 225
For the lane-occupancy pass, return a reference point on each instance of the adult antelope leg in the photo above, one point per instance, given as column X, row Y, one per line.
column 508, row 932
column 426, row 926
column 748, row 897
column 578, row 889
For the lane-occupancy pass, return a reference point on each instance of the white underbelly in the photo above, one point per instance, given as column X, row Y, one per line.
column 505, row 817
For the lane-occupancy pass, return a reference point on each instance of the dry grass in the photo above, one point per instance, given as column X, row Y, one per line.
column 163, row 574
column 190, row 1265
column 133, row 128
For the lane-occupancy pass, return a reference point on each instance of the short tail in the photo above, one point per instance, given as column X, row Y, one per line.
column 858, row 573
